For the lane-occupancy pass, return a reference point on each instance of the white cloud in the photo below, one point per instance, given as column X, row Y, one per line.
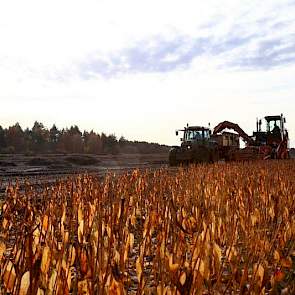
column 43, row 44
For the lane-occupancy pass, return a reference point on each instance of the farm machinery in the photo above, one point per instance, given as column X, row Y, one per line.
column 199, row 144
column 196, row 146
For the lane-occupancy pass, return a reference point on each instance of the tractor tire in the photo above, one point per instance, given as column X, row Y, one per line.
column 201, row 155
column 214, row 156
column 172, row 158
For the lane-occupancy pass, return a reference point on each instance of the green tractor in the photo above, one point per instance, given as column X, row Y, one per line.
column 197, row 146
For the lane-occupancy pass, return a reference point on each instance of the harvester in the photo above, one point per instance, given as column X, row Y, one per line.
column 199, row 144
column 271, row 143
column 196, row 146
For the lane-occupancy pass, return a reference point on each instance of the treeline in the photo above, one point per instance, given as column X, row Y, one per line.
column 39, row 139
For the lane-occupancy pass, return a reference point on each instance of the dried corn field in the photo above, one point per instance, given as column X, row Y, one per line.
column 209, row 229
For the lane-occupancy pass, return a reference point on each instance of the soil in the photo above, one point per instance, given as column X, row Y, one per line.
column 42, row 170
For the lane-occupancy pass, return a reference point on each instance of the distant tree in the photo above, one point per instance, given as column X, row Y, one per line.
column 111, row 144
column 15, row 138
column 2, row 139
column 40, row 137
column 74, row 130
column 65, row 141
column 122, row 141
column 75, row 140
column 103, row 139
column 93, row 143
column 28, row 140
column 54, row 135
column 76, row 143
column 85, row 137
column 71, row 140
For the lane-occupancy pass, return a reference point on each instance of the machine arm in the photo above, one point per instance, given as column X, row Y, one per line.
column 229, row 125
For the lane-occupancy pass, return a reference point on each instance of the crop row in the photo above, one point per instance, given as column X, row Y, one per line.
column 207, row 229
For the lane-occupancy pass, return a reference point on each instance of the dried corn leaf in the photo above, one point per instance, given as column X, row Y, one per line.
column 182, row 278
column 46, row 259
column 138, row 269
column 258, row 272
column 9, row 277
column 2, row 249
column 25, row 284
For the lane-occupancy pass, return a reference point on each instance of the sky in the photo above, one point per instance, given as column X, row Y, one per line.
column 143, row 69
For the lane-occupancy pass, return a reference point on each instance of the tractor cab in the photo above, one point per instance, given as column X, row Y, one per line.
column 194, row 134
column 196, row 146
column 274, row 132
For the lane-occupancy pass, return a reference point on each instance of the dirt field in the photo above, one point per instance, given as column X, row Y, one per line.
column 45, row 169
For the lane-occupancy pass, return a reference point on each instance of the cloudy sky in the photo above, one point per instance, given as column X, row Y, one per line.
column 145, row 68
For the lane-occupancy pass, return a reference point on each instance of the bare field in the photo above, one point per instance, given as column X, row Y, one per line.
column 21, row 164
column 43, row 169
column 206, row 229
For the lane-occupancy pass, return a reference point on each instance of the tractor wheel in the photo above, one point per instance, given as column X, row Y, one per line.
column 214, row 156
column 202, row 155
column 172, row 158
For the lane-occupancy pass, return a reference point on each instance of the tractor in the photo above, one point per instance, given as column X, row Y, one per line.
column 274, row 140
column 200, row 145
column 196, row 146
column 269, row 144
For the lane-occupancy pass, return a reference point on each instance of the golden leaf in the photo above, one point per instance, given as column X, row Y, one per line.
column 131, row 237
column 25, row 283
column 108, row 231
column 64, row 264
column 103, row 227
column 254, row 219
column 276, row 256
column 133, row 219
column 17, row 256
column 4, row 223
column 258, row 272
column 2, row 250
column 117, row 257
column 168, row 291
column 46, row 257
column 83, row 287
column 196, row 253
column 217, row 251
column 52, row 280
column 9, row 277
column 81, row 231
column 138, row 269
column 69, row 277
column 115, row 288
column 72, row 255
column 80, row 215
column 231, row 253
column 286, row 213
column 63, row 217
column 172, row 266
column 119, row 213
column 66, row 237
column 36, row 241
column 203, row 267
column 271, row 212
column 182, row 278
column 162, row 249
column 160, row 290
column 45, row 224
column 125, row 256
